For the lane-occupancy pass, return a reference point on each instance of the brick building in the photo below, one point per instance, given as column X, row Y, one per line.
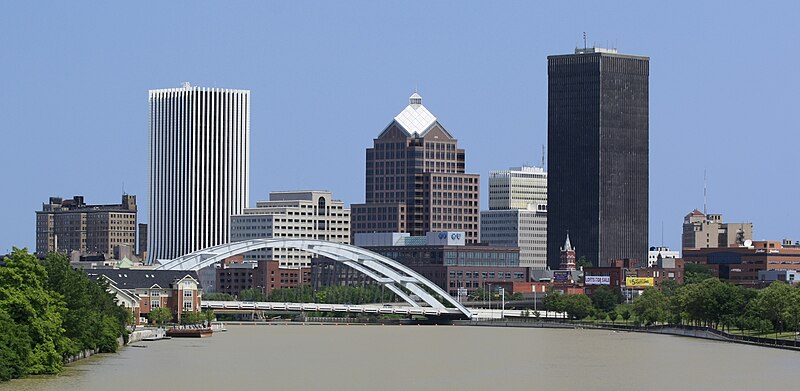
column 141, row 291
column 263, row 276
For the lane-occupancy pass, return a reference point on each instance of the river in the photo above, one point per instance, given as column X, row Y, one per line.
column 300, row 357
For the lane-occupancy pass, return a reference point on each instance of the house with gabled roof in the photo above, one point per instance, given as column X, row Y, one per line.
column 141, row 291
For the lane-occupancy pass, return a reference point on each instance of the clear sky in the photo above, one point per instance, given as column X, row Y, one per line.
column 327, row 77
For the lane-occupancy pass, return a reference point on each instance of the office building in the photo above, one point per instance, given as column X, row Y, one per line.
column 597, row 137
column 517, row 188
column 262, row 276
column 702, row 230
column 446, row 260
column 199, row 167
column 517, row 214
column 296, row 215
column 741, row 265
column 416, row 180
column 72, row 225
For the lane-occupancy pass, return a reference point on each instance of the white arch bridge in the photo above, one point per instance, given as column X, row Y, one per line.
column 398, row 278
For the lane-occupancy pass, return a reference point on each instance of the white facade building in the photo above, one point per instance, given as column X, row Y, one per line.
column 199, row 167
column 517, row 188
column 523, row 228
column 662, row 252
column 300, row 214
column 517, row 215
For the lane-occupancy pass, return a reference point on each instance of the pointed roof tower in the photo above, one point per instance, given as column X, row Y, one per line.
column 415, row 118
column 567, row 244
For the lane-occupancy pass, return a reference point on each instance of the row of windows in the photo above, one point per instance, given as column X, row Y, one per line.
column 484, row 275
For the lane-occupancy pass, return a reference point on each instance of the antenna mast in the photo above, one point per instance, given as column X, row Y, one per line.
column 584, row 39
column 704, row 191
column 543, row 157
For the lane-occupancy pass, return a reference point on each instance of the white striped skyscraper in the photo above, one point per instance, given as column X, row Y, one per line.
column 199, row 167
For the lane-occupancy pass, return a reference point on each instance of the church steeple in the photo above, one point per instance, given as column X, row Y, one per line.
column 567, row 257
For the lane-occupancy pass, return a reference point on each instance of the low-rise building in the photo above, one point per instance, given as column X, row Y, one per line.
column 766, row 277
column 141, row 291
column 741, row 265
column 660, row 252
column 263, row 276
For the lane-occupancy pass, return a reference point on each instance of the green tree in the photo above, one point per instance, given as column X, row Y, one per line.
column 160, row 316
column 208, row 316
column 694, row 273
column 582, row 262
column 217, row 296
column 577, row 306
column 669, row 287
column 773, row 303
column 93, row 319
column 251, row 295
column 605, row 299
column 600, row 315
column 15, row 346
column 613, row 316
column 651, row 306
column 555, row 302
column 625, row 314
column 479, row 294
column 31, row 306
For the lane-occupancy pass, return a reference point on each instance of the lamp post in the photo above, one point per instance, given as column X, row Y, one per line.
column 503, row 297
column 491, row 315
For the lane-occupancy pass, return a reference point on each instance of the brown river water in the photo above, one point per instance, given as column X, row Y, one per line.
column 300, row 357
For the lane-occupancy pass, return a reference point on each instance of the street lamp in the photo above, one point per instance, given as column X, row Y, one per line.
column 491, row 315
column 503, row 297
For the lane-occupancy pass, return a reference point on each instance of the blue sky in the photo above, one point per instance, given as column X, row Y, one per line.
column 327, row 77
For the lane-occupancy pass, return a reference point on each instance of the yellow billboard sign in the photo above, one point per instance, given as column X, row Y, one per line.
column 639, row 282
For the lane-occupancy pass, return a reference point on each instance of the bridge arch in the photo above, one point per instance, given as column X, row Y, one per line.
column 386, row 271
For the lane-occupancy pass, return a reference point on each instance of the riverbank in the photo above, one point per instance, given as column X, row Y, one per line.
column 677, row 330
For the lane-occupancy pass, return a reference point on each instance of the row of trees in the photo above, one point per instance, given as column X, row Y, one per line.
column 49, row 311
column 702, row 301
column 718, row 304
column 327, row 295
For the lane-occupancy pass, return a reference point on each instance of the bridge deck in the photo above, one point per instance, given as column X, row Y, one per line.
column 246, row 306
column 476, row 313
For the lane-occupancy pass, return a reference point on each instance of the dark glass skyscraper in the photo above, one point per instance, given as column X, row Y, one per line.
column 597, row 134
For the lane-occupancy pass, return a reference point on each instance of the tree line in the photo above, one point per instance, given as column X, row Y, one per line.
column 49, row 312
column 704, row 301
column 339, row 294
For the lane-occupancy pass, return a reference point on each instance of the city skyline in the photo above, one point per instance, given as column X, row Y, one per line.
column 706, row 112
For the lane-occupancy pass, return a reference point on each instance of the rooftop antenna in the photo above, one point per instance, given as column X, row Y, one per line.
column 123, row 188
column 542, row 156
column 704, row 191
column 584, row 39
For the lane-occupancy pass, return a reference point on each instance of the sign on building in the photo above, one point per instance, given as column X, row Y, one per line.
column 597, row 280
column 446, row 238
column 561, row 276
column 639, row 282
